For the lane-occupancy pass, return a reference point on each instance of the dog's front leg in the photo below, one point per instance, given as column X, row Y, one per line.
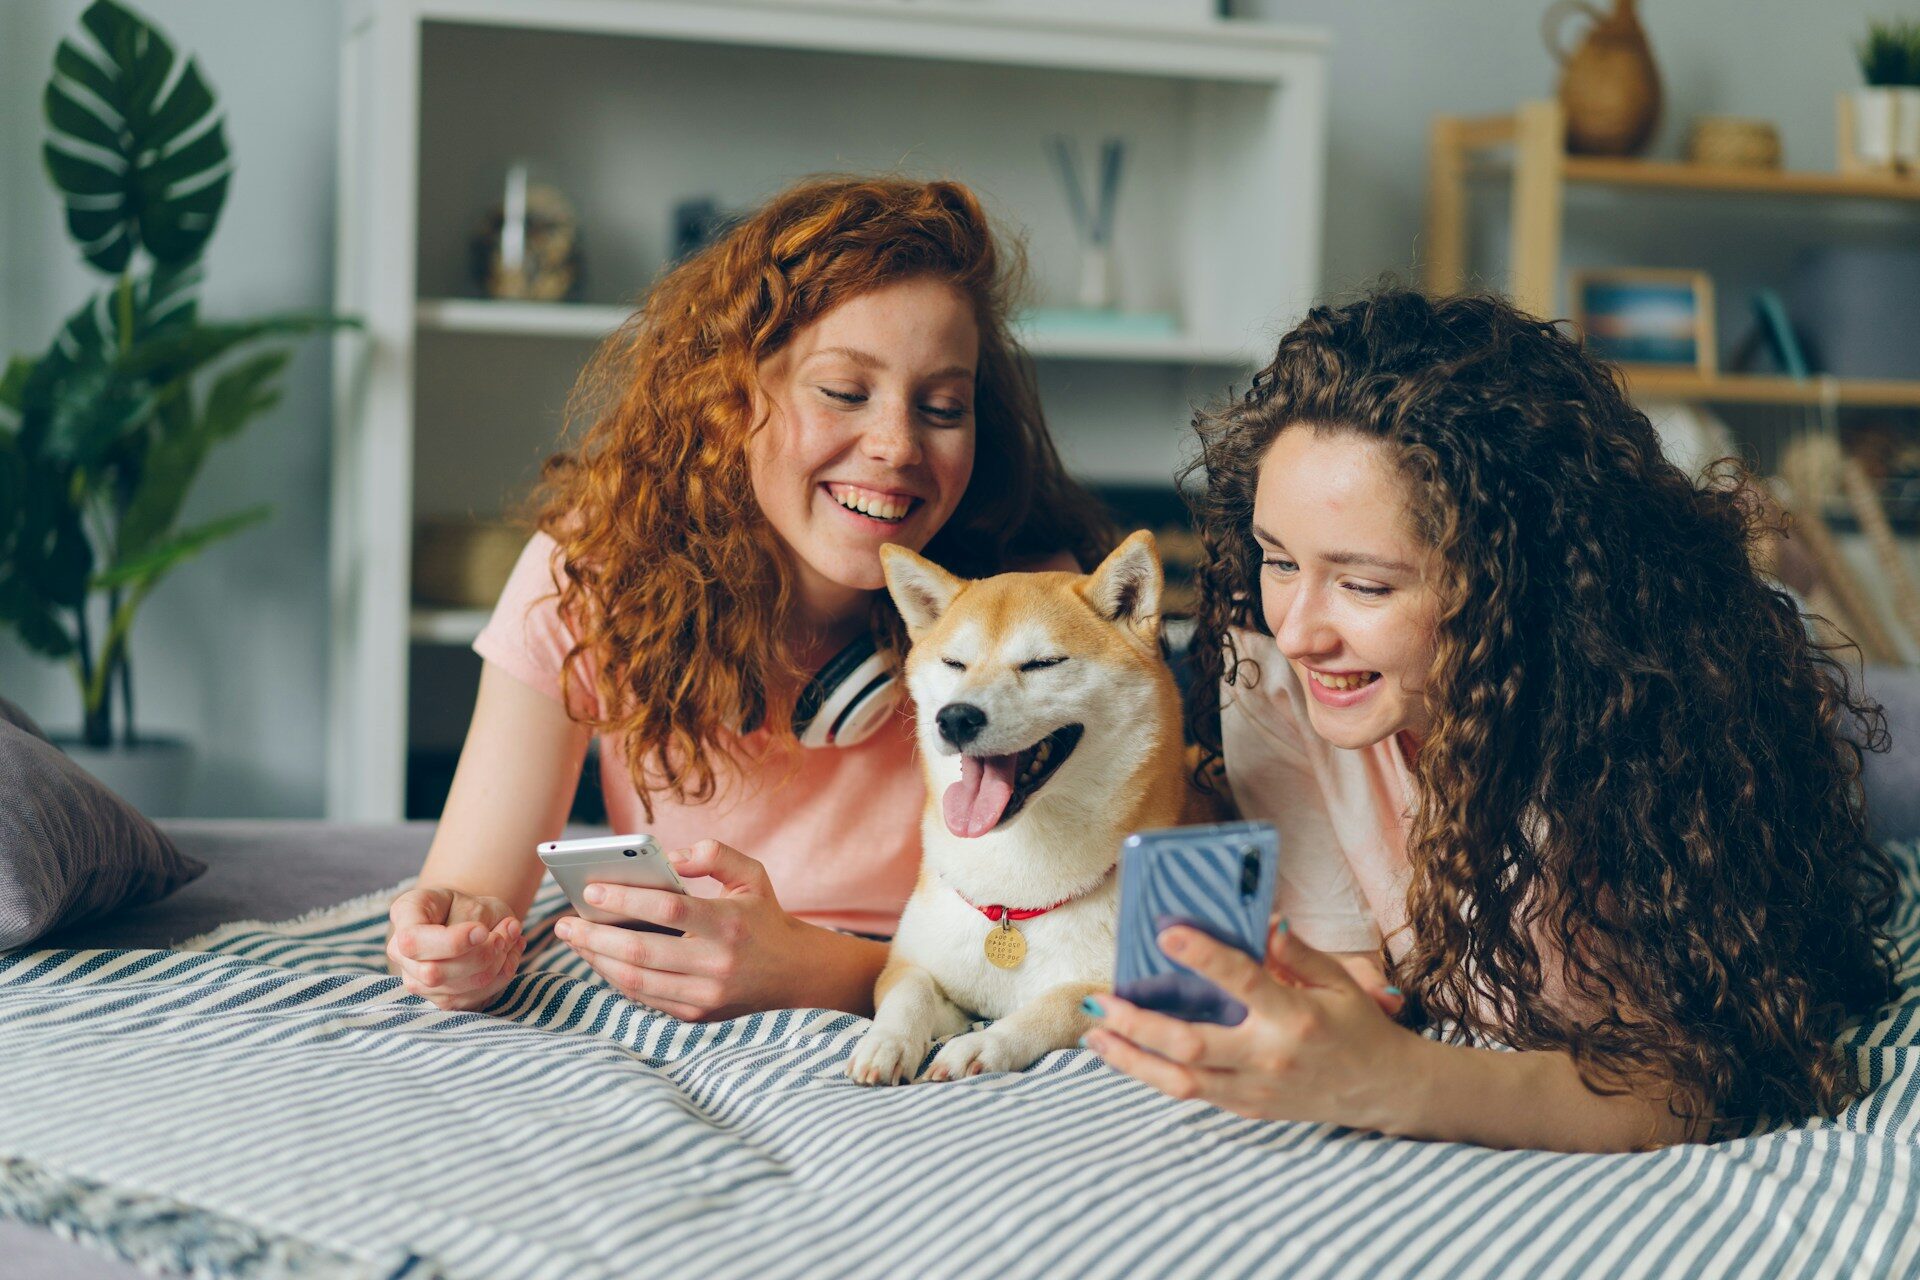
column 911, row 1012
column 1053, row 1020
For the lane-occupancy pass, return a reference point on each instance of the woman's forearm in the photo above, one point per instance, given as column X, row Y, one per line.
column 843, row 973
column 1532, row 1099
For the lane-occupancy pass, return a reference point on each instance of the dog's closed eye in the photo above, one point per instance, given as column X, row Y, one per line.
column 955, row 663
column 1041, row 664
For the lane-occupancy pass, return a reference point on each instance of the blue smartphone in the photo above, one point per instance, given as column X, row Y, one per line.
column 1220, row 879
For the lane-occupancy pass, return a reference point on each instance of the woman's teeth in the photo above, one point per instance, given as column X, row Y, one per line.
column 1344, row 682
column 868, row 503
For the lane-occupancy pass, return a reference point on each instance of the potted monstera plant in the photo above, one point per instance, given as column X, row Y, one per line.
column 103, row 433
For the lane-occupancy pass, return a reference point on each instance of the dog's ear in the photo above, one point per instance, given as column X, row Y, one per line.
column 1126, row 588
column 921, row 589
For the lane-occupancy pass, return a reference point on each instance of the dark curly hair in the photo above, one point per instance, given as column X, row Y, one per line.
column 1638, row 757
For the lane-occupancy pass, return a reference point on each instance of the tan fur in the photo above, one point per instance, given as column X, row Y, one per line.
column 1128, row 773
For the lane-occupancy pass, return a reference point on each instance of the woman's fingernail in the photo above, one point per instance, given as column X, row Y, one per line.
column 1395, row 991
column 1092, row 1008
column 1281, row 925
column 595, row 894
column 678, row 855
column 1083, row 1042
column 563, row 930
column 1173, row 942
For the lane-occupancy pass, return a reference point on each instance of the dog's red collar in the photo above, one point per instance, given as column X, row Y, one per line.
column 996, row 912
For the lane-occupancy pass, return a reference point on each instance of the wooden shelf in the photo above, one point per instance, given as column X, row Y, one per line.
column 1752, row 388
column 1670, row 175
column 587, row 322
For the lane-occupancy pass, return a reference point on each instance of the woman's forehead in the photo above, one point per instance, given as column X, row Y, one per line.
column 1330, row 488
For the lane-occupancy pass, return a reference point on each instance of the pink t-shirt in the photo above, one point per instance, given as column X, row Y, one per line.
column 838, row 829
column 1343, row 815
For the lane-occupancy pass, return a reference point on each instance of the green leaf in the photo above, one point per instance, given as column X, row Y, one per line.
column 13, row 384
column 173, row 459
column 134, row 167
column 146, row 569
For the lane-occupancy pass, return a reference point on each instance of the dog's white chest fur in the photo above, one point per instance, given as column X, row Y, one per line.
column 945, row 935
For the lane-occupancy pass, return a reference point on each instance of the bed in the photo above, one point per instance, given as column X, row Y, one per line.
column 268, row 1103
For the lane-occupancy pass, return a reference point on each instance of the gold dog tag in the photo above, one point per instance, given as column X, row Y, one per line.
column 1006, row 945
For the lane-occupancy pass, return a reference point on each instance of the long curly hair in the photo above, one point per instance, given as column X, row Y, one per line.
column 1637, row 758
column 677, row 591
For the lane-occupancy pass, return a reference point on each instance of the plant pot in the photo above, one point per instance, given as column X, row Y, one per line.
column 152, row 775
column 1886, row 127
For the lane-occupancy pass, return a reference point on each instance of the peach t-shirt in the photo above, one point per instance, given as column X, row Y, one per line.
column 838, row 829
column 1342, row 814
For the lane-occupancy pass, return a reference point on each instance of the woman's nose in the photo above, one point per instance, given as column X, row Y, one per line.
column 891, row 438
column 1302, row 630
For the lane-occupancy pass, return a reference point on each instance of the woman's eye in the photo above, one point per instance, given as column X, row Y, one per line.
column 1279, row 564
column 1041, row 664
column 843, row 397
column 955, row 663
column 1361, row 589
column 943, row 413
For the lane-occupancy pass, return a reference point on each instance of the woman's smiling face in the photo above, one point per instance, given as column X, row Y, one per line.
column 867, row 436
column 1342, row 583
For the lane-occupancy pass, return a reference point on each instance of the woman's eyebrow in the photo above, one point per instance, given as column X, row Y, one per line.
column 1350, row 558
column 867, row 360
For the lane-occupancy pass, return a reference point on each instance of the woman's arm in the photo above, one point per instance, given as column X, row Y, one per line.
column 1316, row 1046
column 512, row 789
column 455, row 938
column 1534, row 1099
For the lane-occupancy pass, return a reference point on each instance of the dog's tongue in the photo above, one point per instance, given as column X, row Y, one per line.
column 973, row 805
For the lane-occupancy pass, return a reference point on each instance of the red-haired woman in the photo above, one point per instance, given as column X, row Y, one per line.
column 1539, row 739
column 834, row 374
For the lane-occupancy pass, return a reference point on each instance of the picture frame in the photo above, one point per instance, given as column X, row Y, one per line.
column 1647, row 318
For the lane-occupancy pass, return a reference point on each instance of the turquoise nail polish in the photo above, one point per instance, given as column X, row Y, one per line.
column 1281, row 925
column 1092, row 1008
column 1395, row 991
column 1083, row 1042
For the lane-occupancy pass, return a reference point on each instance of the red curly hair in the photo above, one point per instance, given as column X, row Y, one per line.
column 676, row 589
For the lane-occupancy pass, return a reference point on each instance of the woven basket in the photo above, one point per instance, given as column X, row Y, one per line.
column 1733, row 143
column 464, row 564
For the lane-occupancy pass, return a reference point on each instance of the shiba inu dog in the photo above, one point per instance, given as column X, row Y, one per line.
column 1050, row 729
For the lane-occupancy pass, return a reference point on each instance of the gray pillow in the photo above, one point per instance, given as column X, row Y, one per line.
column 69, row 848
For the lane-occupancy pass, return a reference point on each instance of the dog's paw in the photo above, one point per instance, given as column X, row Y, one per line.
column 974, row 1053
column 886, row 1057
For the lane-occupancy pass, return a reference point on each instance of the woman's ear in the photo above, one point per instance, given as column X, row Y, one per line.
column 1126, row 587
column 921, row 589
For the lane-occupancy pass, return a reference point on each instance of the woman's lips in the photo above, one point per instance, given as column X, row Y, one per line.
column 878, row 507
column 1340, row 698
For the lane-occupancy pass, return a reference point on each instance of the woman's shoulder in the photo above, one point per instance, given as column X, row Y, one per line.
column 1258, row 690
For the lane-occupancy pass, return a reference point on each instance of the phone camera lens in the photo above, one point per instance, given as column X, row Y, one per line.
column 631, row 853
column 1249, row 872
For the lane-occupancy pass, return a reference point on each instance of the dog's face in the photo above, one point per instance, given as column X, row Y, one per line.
column 1038, row 683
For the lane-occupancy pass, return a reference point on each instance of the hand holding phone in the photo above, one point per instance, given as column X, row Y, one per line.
column 1219, row 879
column 633, row 860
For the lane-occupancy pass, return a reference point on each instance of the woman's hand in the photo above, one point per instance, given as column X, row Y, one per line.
column 1315, row 1044
column 456, row 949
column 738, row 953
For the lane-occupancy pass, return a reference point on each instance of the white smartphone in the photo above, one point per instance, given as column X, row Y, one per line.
column 630, row 860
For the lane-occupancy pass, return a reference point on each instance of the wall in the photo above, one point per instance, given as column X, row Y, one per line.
column 231, row 652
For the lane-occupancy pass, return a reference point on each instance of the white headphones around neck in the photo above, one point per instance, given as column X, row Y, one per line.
column 848, row 698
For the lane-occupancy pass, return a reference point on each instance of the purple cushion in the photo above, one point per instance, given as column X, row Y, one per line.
column 69, row 848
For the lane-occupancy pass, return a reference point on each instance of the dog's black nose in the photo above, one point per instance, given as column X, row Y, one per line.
column 960, row 722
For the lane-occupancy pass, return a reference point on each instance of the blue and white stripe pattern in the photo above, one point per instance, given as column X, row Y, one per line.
column 274, row 1104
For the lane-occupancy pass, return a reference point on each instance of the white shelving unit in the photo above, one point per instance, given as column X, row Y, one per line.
column 447, row 403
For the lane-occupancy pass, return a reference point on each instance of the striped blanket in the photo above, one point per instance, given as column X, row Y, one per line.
column 270, row 1103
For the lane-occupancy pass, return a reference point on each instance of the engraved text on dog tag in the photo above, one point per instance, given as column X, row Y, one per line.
column 1006, row 946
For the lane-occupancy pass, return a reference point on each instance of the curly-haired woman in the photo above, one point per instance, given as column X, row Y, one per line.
column 1537, row 736
column 833, row 374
